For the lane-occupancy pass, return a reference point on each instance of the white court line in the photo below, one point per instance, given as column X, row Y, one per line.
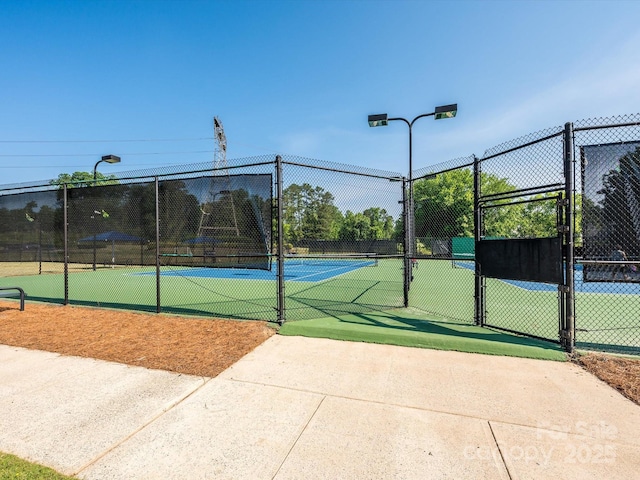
column 322, row 272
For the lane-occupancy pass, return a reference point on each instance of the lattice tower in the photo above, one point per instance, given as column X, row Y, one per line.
column 218, row 209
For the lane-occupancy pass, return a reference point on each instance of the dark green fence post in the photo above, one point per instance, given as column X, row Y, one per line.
column 406, row 241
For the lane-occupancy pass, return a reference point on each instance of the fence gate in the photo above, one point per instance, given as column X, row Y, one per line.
column 523, row 214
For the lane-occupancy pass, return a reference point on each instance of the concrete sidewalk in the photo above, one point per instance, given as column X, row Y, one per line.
column 314, row 408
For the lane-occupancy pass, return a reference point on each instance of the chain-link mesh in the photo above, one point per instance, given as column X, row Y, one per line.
column 200, row 240
column 444, row 240
column 110, row 237
column 342, row 239
column 607, row 288
column 31, row 241
column 521, row 183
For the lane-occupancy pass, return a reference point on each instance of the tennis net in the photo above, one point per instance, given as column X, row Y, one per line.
column 335, row 260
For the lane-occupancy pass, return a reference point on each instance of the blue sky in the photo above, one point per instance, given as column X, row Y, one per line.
column 143, row 79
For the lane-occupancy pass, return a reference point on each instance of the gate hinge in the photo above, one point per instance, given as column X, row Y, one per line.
column 563, row 228
column 563, row 288
column 563, row 202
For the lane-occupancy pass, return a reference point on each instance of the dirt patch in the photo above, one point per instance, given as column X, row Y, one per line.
column 621, row 373
column 192, row 346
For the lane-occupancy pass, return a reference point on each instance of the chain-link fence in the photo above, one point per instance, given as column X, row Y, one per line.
column 607, row 272
column 521, row 189
column 443, row 278
column 205, row 240
column 523, row 241
column 520, row 239
column 343, row 232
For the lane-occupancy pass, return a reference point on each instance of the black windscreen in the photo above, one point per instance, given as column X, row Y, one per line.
column 535, row 259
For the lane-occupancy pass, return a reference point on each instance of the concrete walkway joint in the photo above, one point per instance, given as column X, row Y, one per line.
column 314, row 408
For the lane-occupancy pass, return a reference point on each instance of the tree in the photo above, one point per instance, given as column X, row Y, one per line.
column 309, row 213
column 381, row 223
column 372, row 224
column 444, row 208
column 444, row 205
column 84, row 179
column 356, row 226
column 179, row 211
column 619, row 214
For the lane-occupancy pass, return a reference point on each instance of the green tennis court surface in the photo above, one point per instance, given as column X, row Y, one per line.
column 413, row 328
column 296, row 270
column 246, row 294
column 362, row 303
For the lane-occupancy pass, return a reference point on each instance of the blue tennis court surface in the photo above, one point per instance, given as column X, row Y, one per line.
column 620, row 287
column 295, row 271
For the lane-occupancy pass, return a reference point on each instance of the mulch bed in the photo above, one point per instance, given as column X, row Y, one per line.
column 621, row 373
column 192, row 346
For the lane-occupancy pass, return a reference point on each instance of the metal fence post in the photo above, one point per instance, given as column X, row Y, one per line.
column 568, row 333
column 406, row 242
column 65, row 229
column 280, row 223
column 157, row 205
column 477, row 234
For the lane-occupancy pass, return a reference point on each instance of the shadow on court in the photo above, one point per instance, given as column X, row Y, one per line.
column 414, row 328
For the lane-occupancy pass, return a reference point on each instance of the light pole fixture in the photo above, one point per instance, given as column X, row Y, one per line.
column 382, row 120
column 379, row 120
column 107, row 159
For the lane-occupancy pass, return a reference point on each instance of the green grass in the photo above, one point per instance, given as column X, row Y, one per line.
column 14, row 468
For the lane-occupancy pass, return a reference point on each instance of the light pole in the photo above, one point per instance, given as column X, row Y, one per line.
column 382, row 120
column 107, row 159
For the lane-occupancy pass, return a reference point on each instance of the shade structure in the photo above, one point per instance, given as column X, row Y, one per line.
column 111, row 236
column 202, row 241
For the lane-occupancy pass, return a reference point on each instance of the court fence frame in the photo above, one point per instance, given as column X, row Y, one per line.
column 537, row 174
column 545, row 166
column 71, row 239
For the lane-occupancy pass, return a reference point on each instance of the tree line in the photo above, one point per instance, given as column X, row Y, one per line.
column 444, row 208
column 311, row 214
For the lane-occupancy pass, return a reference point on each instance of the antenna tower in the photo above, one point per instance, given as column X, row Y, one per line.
column 218, row 208
column 220, row 152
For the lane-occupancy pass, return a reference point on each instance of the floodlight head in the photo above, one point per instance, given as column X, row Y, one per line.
column 379, row 120
column 110, row 159
column 446, row 111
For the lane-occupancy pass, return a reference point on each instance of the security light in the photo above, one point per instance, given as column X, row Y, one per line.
column 379, row 120
column 446, row 111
